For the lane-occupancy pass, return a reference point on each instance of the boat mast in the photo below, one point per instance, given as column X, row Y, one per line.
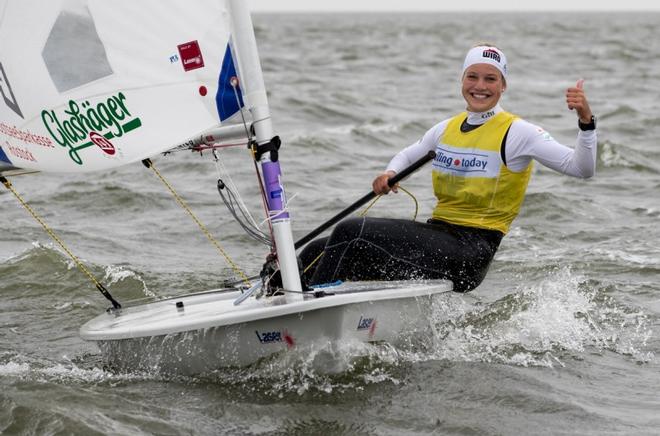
column 252, row 82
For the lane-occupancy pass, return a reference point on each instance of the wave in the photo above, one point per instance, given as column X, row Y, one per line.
column 110, row 195
column 648, row 212
column 328, row 368
column 612, row 155
column 622, row 111
column 542, row 325
column 38, row 269
column 547, row 207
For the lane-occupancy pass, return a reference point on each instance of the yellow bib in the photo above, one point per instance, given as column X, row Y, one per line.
column 473, row 186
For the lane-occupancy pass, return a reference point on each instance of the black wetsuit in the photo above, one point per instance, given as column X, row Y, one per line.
column 394, row 249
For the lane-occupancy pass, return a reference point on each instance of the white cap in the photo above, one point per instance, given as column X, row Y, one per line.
column 484, row 54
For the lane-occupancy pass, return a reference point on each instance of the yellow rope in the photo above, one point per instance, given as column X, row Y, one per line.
column 366, row 209
column 364, row 212
column 311, row 264
column 210, row 237
column 414, row 199
column 52, row 234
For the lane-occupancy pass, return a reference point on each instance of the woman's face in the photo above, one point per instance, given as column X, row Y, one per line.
column 482, row 88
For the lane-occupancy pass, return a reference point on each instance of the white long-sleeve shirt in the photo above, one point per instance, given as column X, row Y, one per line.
column 524, row 142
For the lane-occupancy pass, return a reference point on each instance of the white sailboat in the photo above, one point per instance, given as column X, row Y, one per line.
column 90, row 85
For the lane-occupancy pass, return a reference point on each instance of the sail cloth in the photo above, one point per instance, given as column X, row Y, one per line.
column 88, row 85
column 228, row 99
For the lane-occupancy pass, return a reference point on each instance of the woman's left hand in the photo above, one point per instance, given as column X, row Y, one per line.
column 577, row 99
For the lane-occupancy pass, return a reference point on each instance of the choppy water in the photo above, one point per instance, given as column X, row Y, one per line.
column 563, row 337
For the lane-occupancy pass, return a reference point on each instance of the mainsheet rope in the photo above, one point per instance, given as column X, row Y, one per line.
column 366, row 209
column 364, row 213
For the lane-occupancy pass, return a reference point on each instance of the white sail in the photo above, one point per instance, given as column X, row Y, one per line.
column 89, row 85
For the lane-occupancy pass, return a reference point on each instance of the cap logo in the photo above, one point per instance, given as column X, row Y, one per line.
column 486, row 55
column 492, row 54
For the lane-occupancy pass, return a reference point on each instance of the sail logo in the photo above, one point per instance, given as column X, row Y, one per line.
column 102, row 142
column 192, row 63
column 25, row 136
column 83, row 125
column 191, row 56
column 7, row 93
column 469, row 162
column 21, row 153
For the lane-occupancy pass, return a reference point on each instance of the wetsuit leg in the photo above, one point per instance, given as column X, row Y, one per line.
column 391, row 249
column 309, row 258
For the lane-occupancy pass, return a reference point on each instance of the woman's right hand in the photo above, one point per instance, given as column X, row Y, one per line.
column 380, row 185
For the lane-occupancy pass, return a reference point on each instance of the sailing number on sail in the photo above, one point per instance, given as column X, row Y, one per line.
column 83, row 125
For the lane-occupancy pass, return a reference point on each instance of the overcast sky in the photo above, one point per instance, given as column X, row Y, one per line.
column 439, row 5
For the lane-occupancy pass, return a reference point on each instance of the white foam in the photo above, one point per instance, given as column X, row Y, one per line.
column 115, row 274
column 14, row 369
column 379, row 128
column 330, row 367
column 611, row 157
column 66, row 371
column 626, row 257
column 539, row 324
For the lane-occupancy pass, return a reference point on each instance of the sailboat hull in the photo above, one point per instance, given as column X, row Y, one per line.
column 200, row 333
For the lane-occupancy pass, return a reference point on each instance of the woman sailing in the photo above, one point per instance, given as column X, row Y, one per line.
column 483, row 163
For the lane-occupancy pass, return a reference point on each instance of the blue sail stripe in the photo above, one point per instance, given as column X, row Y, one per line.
column 3, row 156
column 225, row 99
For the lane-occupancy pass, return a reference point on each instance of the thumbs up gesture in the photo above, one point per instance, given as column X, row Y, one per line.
column 577, row 99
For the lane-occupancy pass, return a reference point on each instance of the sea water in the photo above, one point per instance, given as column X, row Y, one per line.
column 563, row 336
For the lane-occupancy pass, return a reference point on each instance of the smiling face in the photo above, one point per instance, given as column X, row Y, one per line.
column 482, row 88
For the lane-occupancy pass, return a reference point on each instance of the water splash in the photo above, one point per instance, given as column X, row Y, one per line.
column 546, row 324
column 67, row 371
column 542, row 325
column 327, row 369
column 115, row 274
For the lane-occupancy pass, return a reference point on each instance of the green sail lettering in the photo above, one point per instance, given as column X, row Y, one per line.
column 106, row 118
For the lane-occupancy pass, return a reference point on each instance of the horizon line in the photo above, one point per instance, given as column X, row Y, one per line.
column 481, row 11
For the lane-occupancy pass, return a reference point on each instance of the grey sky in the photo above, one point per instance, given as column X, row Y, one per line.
column 437, row 5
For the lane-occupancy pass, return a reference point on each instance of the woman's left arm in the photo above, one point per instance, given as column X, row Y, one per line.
column 527, row 141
